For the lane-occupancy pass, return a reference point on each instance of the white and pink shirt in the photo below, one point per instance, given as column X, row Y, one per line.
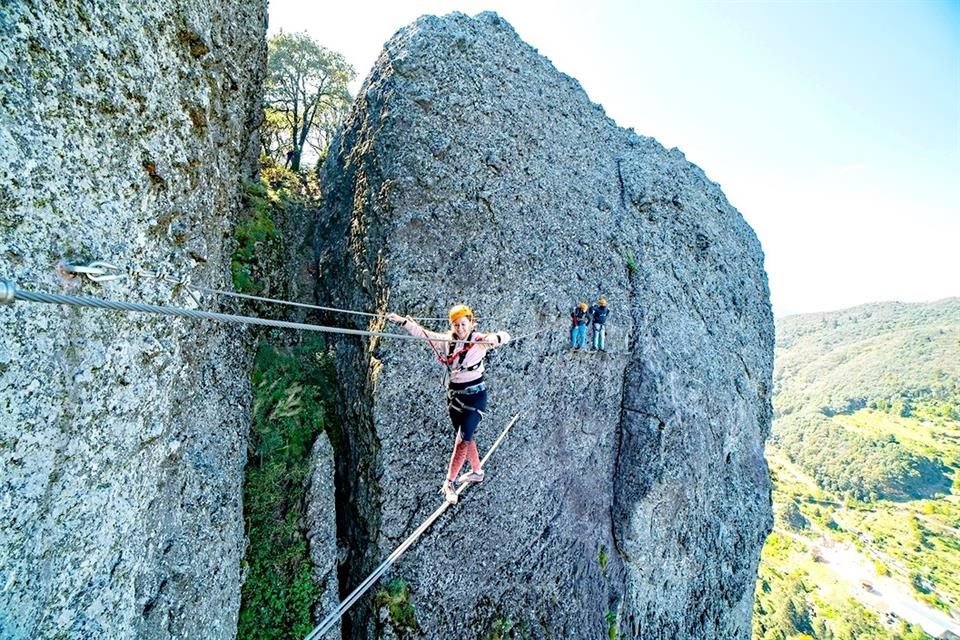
column 469, row 367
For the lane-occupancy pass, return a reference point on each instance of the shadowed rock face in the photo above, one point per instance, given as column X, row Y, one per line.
column 126, row 128
column 633, row 488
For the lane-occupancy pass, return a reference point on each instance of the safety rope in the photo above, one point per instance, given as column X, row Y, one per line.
column 100, row 271
column 327, row 623
column 105, row 272
column 531, row 335
column 9, row 294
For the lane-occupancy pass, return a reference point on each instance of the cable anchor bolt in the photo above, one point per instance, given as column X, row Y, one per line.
column 7, row 292
column 96, row 271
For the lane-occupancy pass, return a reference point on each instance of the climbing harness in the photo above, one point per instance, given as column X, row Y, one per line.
column 362, row 588
column 457, row 356
column 472, row 389
column 455, row 402
column 453, row 354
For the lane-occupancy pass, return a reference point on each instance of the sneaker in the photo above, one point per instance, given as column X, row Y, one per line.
column 449, row 493
column 471, row 476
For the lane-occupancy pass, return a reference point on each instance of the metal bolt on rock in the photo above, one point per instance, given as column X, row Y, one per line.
column 7, row 291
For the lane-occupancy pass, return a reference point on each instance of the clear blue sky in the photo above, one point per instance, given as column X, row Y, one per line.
column 834, row 127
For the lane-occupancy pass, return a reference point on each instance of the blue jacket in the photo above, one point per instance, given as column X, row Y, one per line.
column 578, row 317
column 599, row 313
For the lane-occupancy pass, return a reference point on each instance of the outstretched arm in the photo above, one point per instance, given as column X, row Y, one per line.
column 439, row 340
column 494, row 339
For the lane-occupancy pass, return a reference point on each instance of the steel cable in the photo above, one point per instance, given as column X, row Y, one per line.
column 9, row 293
column 327, row 623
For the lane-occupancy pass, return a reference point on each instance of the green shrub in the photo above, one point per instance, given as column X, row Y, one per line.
column 254, row 230
column 258, row 237
column 290, row 389
column 631, row 263
column 396, row 598
column 613, row 631
column 791, row 517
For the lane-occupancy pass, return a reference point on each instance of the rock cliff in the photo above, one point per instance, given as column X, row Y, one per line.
column 633, row 491
column 126, row 128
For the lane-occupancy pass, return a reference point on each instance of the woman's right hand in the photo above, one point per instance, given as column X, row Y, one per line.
column 393, row 317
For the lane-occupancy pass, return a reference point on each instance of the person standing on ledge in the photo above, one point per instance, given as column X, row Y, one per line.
column 579, row 319
column 461, row 351
column 599, row 313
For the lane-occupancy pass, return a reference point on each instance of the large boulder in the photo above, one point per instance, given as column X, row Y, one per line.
column 126, row 128
column 633, row 491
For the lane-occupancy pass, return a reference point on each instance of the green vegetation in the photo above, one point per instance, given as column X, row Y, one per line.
column 291, row 387
column 503, row 628
column 631, row 263
column 864, row 456
column 306, row 97
column 790, row 517
column 613, row 631
column 259, row 245
column 395, row 597
column 798, row 595
column 871, row 356
column 858, row 466
column 292, row 382
column 254, row 229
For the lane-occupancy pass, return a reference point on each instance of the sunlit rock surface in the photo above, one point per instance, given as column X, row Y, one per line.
column 633, row 491
column 125, row 131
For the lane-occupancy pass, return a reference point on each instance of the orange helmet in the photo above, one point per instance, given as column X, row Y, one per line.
column 460, row 311
column 582, row 306
column 602, row 302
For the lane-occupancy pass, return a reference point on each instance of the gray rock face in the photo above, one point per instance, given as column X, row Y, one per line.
column 633, row 490
column 321, row 524
column 125, row 130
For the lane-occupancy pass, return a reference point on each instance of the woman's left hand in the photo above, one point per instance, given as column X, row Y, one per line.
column 494, row 339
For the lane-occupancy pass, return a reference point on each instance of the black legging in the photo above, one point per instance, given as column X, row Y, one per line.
column 465, row 410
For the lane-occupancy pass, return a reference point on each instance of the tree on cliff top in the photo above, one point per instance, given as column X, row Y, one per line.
column 306, row 96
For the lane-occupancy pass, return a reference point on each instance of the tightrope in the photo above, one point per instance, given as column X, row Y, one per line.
column 362, row 588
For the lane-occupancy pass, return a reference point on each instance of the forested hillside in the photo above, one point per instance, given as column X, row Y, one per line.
column 864, row 454
column 888, row 356
column 833, row 370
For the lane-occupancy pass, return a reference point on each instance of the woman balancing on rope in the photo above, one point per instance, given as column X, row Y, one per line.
column 462, row 352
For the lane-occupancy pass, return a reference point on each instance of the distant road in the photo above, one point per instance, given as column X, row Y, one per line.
column 884, row 593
